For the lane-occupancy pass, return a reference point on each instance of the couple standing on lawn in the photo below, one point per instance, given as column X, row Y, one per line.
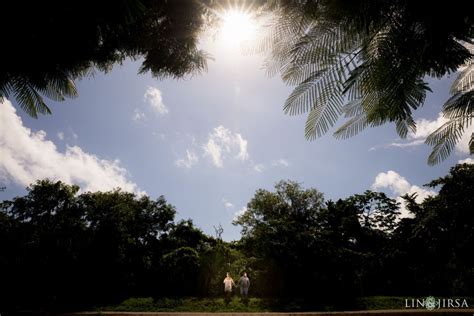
column 244, row 283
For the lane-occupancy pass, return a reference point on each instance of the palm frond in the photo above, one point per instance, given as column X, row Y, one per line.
column 444, row 139
column 358, row 65
column 56, row 87
column 318, row 65
column 29, row 91
column 324, row 112
column 28, row 98
column 465, row 81
column 459, row 110
column 460, row 105
column 471, row 144
column 352, row 127
column 404, row 126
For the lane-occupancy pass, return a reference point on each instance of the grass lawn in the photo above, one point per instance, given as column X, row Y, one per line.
column 148, row 304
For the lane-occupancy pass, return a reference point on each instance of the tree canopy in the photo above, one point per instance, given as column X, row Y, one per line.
column 49, row 45
column 367, row 61
column 65, row 250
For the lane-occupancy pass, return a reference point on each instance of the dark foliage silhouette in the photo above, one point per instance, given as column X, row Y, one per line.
column 367, row 61
column 61, row 250
column 49, row 45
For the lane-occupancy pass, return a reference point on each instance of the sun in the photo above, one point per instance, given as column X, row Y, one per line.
column 237, row 26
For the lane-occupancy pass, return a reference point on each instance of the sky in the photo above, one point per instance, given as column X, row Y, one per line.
column 208, row 142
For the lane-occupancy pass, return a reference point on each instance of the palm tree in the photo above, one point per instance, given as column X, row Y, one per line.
column 29, row 91
column 366, row 61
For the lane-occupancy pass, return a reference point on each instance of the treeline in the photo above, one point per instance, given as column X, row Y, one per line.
column 61, row 250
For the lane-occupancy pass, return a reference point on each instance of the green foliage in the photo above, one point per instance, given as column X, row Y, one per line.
column 212, row 305
column 438, row 239
column 256, row 305
column 459, row 110
column 65, row 243
column 376, row 210
column 180, row 271
column 289, row 205
column 366, row 61
column 66, row 250
column 284, row 230
column 381, row 302
column 216, row 261
column 52, row 44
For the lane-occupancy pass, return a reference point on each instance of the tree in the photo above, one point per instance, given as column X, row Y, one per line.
column 298, row 242
column 123, row 229
column 61, row 246
column 445, row 226
column 358, row 229
column 51, row 44
column 218, row 259
column 178, row 260
column 65, row 250
column 180, row 269
column 435, row 243
column 367, row 61
column 46, row 233
column 376, row 210
column 279, row 227
column 289, row 208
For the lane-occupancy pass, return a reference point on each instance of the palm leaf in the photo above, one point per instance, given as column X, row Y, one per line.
column 471, row 144
column 444, row 139
column 465, row 80
column 352, row 127
column 358, row 65
column 28, row 98
column 460, row 105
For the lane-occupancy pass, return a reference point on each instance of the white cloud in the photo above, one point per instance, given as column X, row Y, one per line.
column 214, row 151
column 223, row 143
column 259, row 167
column 227, row 204
column 154, row 98
column 467, row 160
column 240, row 212
column 243, row 153
column 462, row 147
column 64, row 136
column 280, row 163
column 190, row 160
column 398, row 186
column 138, row 115
column 27, row 156
column 425, row 127
column 393, row 181
column 412, row 143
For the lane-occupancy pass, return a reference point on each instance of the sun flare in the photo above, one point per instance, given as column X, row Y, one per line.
column 237, row 26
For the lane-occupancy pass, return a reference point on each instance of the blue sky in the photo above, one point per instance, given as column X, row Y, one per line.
column 207, row 142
